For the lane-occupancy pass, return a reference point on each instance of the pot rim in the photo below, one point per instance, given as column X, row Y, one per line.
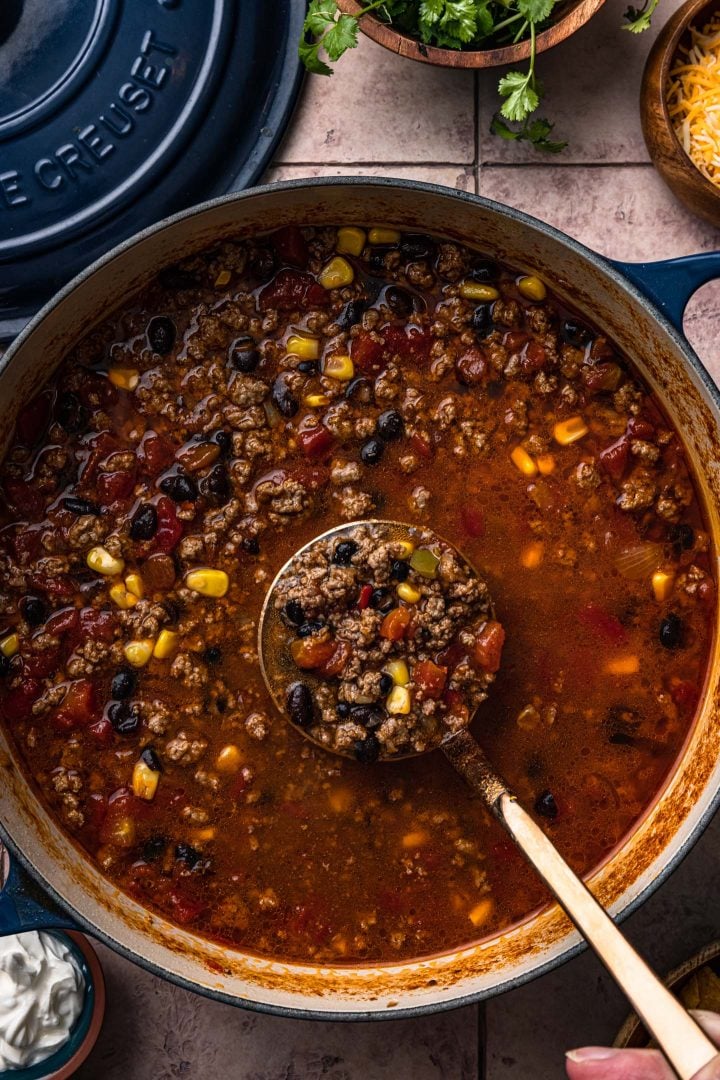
column 637, row 297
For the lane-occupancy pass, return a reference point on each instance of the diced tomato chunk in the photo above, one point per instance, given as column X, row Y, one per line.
column 58, row 587
column 311, row 652
column 291, row 246
column 155, row 453
column 18, row 703
column 430, row 678
column 395, row 625
column 601, row 622
column 26, row 499
column 368, row 354
column 185, row 908
column 421, row 446
column 169, row 527
column 365, row 597
column 686, row 696
column 291, row 289
column 114, row 485
column 38, row 665
column 100, row 447
column 65, row 621
column 488, row 648
column 77, row 709
column 638, row 428
column 97, row 624
column 614, row 458
column 472, row 521
column 34, row 418
column 316, row 441
column 337, row 662
column 410, row 342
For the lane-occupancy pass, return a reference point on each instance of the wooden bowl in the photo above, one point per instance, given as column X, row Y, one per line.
column 574, row 14
column 686, row 182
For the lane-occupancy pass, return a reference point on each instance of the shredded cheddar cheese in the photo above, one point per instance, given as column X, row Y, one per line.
column 693, row 98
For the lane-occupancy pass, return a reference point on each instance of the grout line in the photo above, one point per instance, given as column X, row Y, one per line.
column 540, row 163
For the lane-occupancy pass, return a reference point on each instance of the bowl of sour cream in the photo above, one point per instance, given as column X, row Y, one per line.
column 52, row 1002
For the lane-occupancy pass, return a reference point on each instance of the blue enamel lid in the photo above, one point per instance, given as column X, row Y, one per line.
column 114, row 113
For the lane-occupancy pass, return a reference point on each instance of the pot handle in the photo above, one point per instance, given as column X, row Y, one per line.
column 671, row 282
column 23, row 904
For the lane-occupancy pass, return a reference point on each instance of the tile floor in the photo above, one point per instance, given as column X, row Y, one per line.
column 382, row 115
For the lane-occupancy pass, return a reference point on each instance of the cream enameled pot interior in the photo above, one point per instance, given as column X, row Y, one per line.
column 669, row 826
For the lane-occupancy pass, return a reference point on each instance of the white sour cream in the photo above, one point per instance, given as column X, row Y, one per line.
column 42, row 991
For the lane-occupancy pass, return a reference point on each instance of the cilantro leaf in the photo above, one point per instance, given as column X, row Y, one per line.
column 331, row 35
column 430, row 11
column 308, row 52
column 536, row 132
column 321, row 14
column 638, row 19
column 536, row 11
column 520, row 96
column 342, row 36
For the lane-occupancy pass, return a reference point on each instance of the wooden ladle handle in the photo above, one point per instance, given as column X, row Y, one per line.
column 684, row 1044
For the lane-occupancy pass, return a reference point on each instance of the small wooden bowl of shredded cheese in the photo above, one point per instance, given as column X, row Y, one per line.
column 680, row 106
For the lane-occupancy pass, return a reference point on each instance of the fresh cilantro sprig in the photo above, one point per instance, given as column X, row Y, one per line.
column 458, row 24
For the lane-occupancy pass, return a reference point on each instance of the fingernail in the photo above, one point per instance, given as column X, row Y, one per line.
column 592, row 1053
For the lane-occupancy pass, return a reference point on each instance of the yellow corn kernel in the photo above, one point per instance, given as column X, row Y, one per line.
column 350, row 241
column 166, row 644
column 202, row 836
column 122, row 832
column 405, row 549
column 624, row 665
column 384, row 236
column 569, row 431
column 340, row 799
column 307, row 348
column 415, row 839
column 407, row 593
column 229, row 759
column 662, row 584
column 398, row 672
column 532, row 288
column 134, row 585
column 144, row 781
column 122, row 597
column 208, row 582
column 336, row 273
column 339, row 367
column 101, row 561
column 124, row 377
column 522, row 461
column 9, row 645
column 316, row 401
column 546, row 464
column 398, row 701
column 532, row 555
column 475, row 290
column 139, row 652
column 222, row 279
column 480, row 914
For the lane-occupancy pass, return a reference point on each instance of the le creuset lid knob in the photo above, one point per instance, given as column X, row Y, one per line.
column 114, row 113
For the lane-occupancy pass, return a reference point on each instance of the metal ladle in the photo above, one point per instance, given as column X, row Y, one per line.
column 682, row 1041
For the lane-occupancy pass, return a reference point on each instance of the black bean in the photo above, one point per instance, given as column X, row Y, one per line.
column 682, row 537
column 124, row 716
column 483, row 270
column 153, row 848
column 386, row 684
column 370, row 716
column 574, row 333
column 400, row 570
column 671, row 631
column 216, row 485
column 299, row 704
column 372, row 452
column 344, row 552
column 144, row 522
column 223, row 440
column 33, row 610
column 173, row 278
column 351, row 314
column 308, row 367
column 417, row 246
column 123, row 684
column 213, row 654
column 70, row 413
column 187, row 854
column 262, row 262
column 179, row 487
column 221, row 704
column 382, row 599
column 81, row 506
column 283, row 398
column 307, row 629
column 376, row 260
column 161, row 334
column 359, row 389
column 399, row 301
column 342, row 709
column 294, row 612
column 546, row 806
column 390, row 425
column 481, row 320
column 367, row 750
column 244, row 355
column 4, row 665
column 251, row 545
column 149, row 757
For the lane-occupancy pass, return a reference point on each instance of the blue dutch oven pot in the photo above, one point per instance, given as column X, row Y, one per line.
column 640, row 306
